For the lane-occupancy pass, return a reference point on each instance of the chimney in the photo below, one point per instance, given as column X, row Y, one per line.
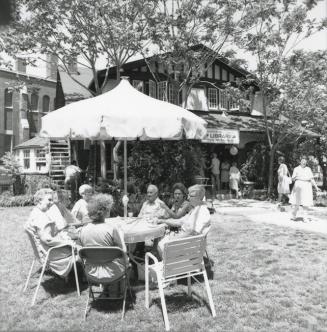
column 20, row 65
column 51, row 66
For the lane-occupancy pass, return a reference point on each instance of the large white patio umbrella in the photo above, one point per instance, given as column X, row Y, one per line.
column 123, row 113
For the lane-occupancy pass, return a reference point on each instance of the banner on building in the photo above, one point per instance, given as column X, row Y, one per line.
column 222, row 136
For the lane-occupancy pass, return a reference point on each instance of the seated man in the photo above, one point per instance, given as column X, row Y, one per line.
column 196, row 222
column 153, row 206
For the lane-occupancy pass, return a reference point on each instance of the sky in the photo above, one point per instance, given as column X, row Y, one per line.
column 313, row 43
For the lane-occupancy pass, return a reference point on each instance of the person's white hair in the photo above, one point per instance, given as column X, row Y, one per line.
column 152, row 186
column 198, row 190
column 40, row 194
column 83, row 188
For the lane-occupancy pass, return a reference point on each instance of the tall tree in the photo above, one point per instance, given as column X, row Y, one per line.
column 279, row 27
column 82, row 31
column 179, row 25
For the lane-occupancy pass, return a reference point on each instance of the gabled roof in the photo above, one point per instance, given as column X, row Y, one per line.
column 73, row 90
column 35, row 142
column 199, row 47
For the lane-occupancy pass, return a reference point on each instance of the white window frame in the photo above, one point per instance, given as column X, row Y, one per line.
column 9, row 109
column 152, row 89
column 138, row 85
column 27, row 158
column 162, row 90
column 173, row 93
column 223, row 100
column 212, row 99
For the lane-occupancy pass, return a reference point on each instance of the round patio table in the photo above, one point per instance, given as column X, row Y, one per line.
column 138, row 229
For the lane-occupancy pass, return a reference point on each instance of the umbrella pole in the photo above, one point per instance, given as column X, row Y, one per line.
column 125, row 176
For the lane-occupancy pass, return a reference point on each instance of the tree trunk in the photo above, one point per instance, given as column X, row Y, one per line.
column 272, row 153
column 322, row 163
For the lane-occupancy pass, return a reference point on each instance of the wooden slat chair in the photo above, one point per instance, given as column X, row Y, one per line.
column 182, row 258
column 51, row 253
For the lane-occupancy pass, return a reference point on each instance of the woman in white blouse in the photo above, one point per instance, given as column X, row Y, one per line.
column 302, row 189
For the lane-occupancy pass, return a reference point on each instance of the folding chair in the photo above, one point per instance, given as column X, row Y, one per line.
column 182, row 258
column 97, row 257
column 50, row 255
column 205, row 233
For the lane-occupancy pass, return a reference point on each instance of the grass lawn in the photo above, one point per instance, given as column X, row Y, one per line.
column 265, row 278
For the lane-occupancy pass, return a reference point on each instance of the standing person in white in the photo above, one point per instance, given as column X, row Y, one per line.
column 302, row 190
column 283, row 187
column 215, row 171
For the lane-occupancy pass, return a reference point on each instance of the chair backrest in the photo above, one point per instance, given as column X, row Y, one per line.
column 31, row 237
column 183, row 255
column 100, row 255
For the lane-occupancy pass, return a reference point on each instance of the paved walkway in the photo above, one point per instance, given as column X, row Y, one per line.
column 267, row 212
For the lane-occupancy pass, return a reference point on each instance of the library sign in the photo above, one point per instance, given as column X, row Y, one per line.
column 222, row 136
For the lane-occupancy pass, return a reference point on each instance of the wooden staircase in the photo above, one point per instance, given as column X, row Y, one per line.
column 60, row 158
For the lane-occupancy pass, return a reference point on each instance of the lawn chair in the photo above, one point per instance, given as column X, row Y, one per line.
column 205, row 233
column 99, row 256
column 182, row 258
column 50, row 254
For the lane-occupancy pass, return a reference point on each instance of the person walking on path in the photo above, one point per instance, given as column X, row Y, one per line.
column 283, row 187
column 225, row 174
column 302, row 189
column 234, row 179
column 215, row 172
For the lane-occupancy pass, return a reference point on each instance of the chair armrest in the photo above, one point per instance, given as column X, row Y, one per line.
column 61, row 246
column 149, row 255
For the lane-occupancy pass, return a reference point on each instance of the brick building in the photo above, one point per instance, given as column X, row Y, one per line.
column 24, row 99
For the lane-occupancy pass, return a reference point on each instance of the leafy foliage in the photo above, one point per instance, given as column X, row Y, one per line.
column 19, row 200
column 80, row 31
column 163, row 163
column 279, row 27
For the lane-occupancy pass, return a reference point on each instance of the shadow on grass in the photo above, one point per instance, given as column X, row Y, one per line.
column 180, row 302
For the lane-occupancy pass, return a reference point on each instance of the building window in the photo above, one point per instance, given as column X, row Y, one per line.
column 162, row 90
column 8, row 110
column 212, row 99
column 45, row 104
column 152, row 89
column 217, row 72
column 223, row 100
column 173, row 93
column 34, row 102
column 210, row 72
column 26, row 159
column 231, row 77
column 35, row 119
column 224, row 75
column 40, row 159
column 138, row 85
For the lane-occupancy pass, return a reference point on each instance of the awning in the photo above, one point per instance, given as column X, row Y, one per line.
column 248, row 123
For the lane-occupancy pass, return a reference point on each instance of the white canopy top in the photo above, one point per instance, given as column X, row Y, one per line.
column 123, row 113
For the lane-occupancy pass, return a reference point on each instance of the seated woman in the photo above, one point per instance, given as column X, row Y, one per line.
column 97, row 233
column 196, row 222
column 79, row 210
column 47, row 235
column 180, row 206
column 59, row 212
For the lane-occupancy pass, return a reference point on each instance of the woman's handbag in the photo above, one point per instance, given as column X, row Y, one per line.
column 288, row 179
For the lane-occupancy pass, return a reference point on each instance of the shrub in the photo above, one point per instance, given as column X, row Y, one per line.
column 163, row 163
column 20, row 200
